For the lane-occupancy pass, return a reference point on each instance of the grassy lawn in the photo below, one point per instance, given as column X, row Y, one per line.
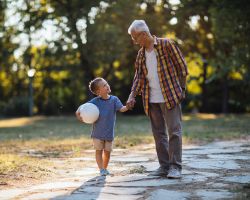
column 28, row 144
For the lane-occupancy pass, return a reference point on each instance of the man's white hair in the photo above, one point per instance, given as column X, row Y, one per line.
column 138, row 26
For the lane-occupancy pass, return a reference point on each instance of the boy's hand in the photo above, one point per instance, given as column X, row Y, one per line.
column 78, row 116
column 123, row 109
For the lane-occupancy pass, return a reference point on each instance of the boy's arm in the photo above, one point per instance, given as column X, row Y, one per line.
column 123, row 109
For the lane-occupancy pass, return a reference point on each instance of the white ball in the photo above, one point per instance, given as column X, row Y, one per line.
column 89, row 113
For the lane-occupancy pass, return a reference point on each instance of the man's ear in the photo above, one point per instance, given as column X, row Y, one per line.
column 97, row 92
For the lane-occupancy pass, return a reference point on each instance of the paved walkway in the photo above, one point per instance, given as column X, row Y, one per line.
column 219, row 170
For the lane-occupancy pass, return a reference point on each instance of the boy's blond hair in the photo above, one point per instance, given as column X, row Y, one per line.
column 94, row 85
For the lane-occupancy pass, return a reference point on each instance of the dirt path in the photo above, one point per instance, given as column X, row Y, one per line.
column 219, row 170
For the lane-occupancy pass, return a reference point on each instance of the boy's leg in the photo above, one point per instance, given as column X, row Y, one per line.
column 99, row 146
column 98, row 157
column 106, row 158
column 106, row 154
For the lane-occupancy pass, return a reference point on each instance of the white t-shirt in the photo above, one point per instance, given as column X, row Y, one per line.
column 155, row 94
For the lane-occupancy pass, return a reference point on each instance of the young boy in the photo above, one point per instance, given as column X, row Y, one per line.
column 103, row 128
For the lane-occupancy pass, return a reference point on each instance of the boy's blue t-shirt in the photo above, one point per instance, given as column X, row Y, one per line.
column 103, row 128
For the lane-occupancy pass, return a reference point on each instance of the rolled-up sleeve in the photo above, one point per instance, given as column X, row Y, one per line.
column 177, row 58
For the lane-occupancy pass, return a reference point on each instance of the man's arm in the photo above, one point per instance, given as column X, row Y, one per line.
column 134, row 90
column 136, row 86
column 179, row 63
column 178, row 60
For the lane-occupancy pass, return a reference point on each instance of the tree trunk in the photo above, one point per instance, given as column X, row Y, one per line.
column 204, row 87
column 225, row 93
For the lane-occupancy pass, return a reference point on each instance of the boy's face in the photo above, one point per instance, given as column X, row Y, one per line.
column 103, row 88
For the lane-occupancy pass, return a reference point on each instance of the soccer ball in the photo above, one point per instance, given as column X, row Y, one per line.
column 89, row 113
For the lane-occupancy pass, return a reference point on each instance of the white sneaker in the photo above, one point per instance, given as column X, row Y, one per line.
column 174, row 173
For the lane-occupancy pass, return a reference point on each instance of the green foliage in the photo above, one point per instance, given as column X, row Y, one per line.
column 2, row 108
column 220, row 36
column 90, row 39
column 17, row 106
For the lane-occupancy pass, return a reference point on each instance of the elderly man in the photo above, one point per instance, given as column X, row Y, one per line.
column 160, row 77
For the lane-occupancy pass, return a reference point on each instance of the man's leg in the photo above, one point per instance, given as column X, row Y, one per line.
column 160, row 136
column 173, row 121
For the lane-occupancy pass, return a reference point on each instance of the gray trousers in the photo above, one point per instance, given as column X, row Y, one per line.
column 167, row 131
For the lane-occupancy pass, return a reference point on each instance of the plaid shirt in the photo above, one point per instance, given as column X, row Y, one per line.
column 170, row 66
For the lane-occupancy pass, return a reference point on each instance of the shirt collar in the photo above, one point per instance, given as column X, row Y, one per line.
column 142, row 50
column 155, row 40
column 155, row 44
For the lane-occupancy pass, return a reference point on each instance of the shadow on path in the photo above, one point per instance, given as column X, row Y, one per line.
column 91, row 189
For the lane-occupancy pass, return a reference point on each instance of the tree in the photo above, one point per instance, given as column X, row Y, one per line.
column 9, row 77
column 194, row 30
column 231, row 28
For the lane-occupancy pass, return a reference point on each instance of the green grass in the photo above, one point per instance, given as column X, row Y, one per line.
column 58, row 136
column 195, row 127
column 46, row 127
column 69, row 127
column 216, row 127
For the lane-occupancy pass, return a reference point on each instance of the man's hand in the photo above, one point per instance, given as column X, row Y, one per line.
column 130, row 102
column 183, row 95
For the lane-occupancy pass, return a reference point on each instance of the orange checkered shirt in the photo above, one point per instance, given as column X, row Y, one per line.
column 170, row 66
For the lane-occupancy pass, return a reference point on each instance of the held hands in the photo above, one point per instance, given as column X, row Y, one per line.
column 130, row 102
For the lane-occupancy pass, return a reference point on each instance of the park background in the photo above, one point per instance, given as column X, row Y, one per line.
column 51, row 49
column 64, row 44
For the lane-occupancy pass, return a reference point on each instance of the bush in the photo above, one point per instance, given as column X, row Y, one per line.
column 17, row 106
column 2, row 108
column 50, row 108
